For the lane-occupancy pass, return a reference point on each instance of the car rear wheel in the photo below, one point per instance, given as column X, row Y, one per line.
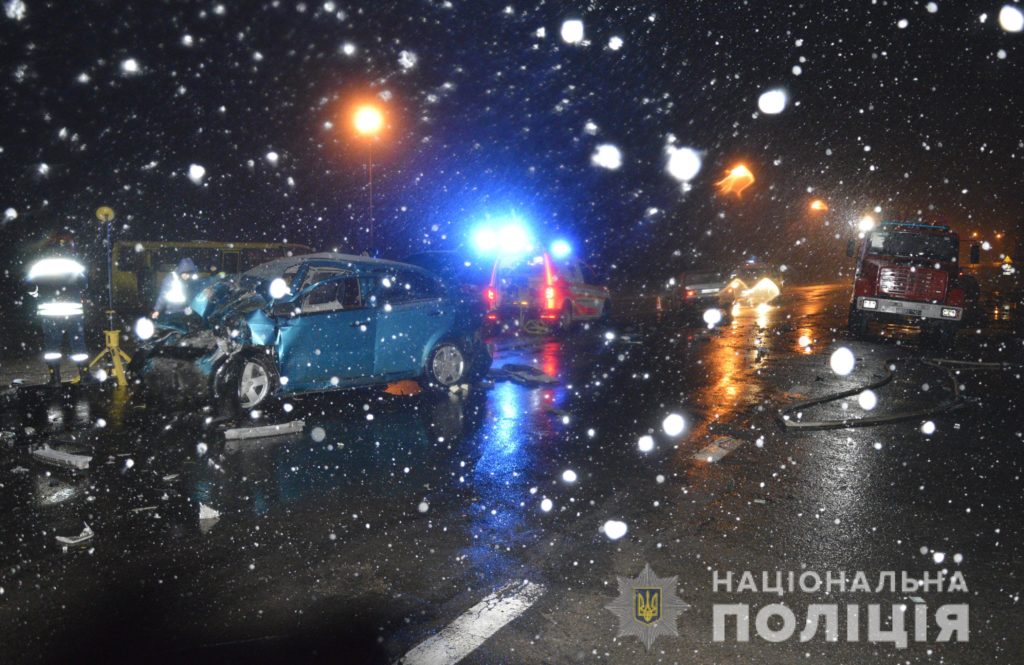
column 447, row 366
column 565, row 319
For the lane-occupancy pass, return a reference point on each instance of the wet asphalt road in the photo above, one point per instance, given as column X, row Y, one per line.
column 389, row 517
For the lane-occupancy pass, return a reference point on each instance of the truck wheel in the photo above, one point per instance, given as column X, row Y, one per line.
column 858, row 323
column 942, row 336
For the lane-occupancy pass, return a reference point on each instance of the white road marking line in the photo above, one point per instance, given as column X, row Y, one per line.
column 717, row 449
column 459, row 638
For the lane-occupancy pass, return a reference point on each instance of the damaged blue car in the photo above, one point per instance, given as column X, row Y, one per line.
column 314, row 323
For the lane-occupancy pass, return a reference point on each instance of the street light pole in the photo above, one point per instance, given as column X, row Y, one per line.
column 369, row 168
column 368, row 121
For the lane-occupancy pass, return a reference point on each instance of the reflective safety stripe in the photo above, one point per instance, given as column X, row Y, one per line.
column 58, row 308
column 80, row 357
column 176, row 291
column 55, row 267
column 51, row 356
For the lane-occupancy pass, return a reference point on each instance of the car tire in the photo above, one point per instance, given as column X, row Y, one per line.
column 447, row 365
column 250, row 382
column 565, row 318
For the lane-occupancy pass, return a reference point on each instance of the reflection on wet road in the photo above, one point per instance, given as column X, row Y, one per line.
column 391, row 512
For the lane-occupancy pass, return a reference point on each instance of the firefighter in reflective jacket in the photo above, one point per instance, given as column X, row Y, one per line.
column 174, row 295
column 59, row 281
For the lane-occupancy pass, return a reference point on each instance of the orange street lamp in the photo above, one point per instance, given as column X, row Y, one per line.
column 737, row 179
column 817, row 205
column 368, row 121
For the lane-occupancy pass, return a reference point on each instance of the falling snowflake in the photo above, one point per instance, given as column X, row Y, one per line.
column 607, row 156
column 683, row 163
column 572, row 31
column 407, row 60
column 10, row 214
column 615, row 43
column 772, row 102
column 867, row 400
column 842, row 361
column 15, row 9
column 615, row 529
column 130, row 66
column 1011, row 19
column 272, row 158
column 196, row 173
column 674, row 424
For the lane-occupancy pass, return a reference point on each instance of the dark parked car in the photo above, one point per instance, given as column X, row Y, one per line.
column 696, row 291
column 318, row 322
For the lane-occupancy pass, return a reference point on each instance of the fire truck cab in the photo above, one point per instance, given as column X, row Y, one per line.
column 910, row 272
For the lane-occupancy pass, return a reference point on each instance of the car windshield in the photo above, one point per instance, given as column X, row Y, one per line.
column 908, row 244
column 703, row 277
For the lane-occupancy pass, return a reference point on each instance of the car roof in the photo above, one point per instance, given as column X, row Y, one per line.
column 353, row 262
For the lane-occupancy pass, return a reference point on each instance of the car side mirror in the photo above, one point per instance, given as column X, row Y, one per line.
column 975, row 254
column 849, row 247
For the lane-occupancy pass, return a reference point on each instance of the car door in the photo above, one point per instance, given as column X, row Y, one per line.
column 412, row 313
column 330, row 341
column 587, row 297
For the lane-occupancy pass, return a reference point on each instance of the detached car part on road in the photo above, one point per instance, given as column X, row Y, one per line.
column 338, row 321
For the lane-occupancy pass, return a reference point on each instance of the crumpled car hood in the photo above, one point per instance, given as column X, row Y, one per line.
column 223, row 298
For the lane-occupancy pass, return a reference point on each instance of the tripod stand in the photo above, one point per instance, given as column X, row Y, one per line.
column 112, row 351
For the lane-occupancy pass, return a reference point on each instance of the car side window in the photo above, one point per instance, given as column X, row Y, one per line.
column 408, row 286
column 333, row 295
column 316, row 275
column 572, row 273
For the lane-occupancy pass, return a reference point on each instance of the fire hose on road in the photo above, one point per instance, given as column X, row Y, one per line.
column 957, row 401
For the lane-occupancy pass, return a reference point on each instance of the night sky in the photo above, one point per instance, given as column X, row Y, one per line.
column 895, row 105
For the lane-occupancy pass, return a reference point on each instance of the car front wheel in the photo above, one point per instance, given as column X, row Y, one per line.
column 447, row 366
column 251, row 382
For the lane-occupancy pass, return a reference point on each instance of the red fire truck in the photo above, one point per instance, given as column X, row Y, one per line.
column 910, row 272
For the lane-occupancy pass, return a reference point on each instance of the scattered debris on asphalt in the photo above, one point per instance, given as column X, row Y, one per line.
column 403, row 388
column 60, row 458
column 264, row 430
column 87, row 534
column 717, row 449
column 522, row 374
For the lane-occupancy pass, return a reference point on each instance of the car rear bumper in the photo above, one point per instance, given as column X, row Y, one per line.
column 920, row 310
